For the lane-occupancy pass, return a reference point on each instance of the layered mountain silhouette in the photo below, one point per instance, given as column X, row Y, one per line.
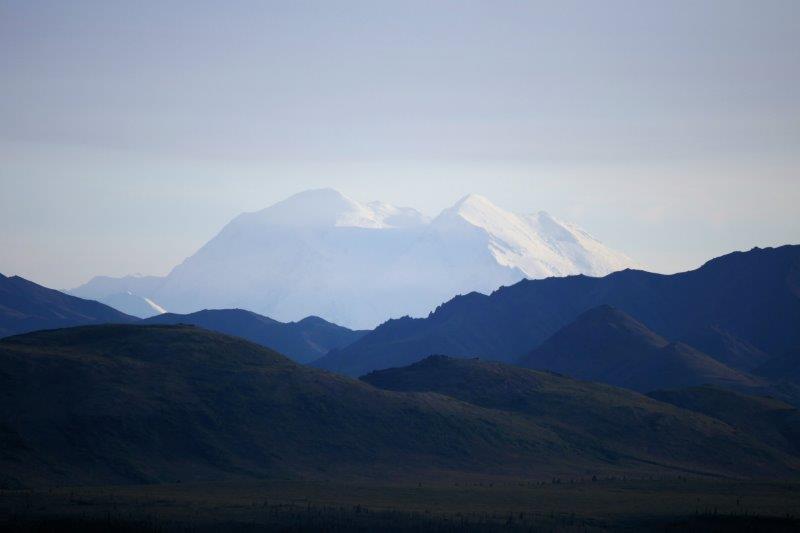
column 740, row 303
column 619, row 421
column 322, row 253
column 609, row 346
column 302, row 341
column 138, row 404
column 26, row 306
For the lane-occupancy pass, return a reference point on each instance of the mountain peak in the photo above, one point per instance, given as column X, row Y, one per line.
column 330, row 208
column 324, row 193
column 474, row 206
column 608, row 345
column 478, row 211
column 357, row 263
column 474, row 200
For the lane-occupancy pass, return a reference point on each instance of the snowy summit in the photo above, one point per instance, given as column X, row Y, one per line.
column 322, row 253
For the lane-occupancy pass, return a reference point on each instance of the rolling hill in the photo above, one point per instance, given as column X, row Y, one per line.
column 138, row 404
column 620, row 422
column 752, row 299
column 770, row 419
column 26, row 306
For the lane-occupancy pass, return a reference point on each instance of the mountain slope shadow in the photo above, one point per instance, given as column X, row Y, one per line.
column 607, row 345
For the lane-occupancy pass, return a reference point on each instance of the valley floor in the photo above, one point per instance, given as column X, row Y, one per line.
column 479, row 505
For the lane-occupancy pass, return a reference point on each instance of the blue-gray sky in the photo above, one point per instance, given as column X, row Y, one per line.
column 130, row 132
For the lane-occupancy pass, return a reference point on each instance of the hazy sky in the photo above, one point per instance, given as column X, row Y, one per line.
column 130, row 132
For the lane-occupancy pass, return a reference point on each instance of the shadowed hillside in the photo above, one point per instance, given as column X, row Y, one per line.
column 122, row 404
column 619, row 422
column 607, row 345
column 771, row 420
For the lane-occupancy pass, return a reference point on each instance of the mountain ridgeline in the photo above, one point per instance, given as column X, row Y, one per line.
column 142, row 404
column 303, row 341
column 739, row 309
column 26, row 306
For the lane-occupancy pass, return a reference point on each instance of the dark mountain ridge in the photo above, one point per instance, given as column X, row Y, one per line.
column 607, row 345
column 303, row 341
column 751, row 298
column 26, row 306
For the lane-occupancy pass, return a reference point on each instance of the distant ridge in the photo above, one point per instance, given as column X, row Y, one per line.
column 302, row 341
column 26, row 306
column 128, row 294
column 609, row 346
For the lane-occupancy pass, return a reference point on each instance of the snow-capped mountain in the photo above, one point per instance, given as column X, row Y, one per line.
column 322, row 253
column 124, row 294
column 132, row 304
column 326, row 208
column 538, row 245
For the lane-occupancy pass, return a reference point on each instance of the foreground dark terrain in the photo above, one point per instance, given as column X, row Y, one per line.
column 467, row 504
column 98, row 405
